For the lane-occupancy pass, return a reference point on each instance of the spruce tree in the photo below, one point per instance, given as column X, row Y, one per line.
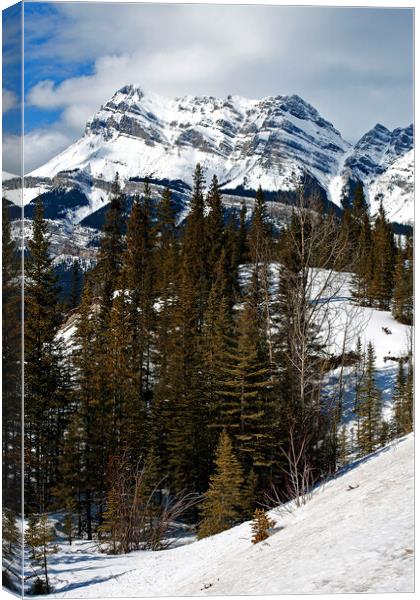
column 222, row 504
column 245, row 393
column 369, row 408
column 75, row 284
column 11, row 366
column 140, row 276
column 109, row 263
column 85, row 450
column 398, row 399
column 383, row 262
column 39, row 537
column 402, row 304
column 362, row 260
column 44, row 402
column 261, row 525
column 11, row 535
column 214, row 226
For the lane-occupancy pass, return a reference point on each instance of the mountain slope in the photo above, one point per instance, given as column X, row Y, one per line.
column 245, row 142
column 343, row 540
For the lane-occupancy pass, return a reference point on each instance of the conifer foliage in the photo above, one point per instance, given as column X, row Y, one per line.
column 197, row 365
column 223, row 501
column 261, row 525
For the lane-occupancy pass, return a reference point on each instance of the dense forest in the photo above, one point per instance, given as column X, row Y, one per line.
column 194, row 386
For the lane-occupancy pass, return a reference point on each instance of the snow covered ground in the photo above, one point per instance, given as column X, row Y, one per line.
column 342, row 541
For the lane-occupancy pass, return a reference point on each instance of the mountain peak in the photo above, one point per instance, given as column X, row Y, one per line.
column 130, row 90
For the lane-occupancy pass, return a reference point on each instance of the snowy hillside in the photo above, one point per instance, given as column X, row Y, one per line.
column 246, row 143
column 356, row 534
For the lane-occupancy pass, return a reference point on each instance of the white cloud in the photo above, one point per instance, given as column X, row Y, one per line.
column 9, row 100
column 352, row 64
column 39, row 146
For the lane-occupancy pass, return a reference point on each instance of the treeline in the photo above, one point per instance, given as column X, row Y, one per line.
column 193, row 383
column 383, row 268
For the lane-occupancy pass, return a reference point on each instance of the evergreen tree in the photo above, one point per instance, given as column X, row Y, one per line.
column 398, row 398
column 369, row 408
column 11, row 535
column 39, row 537
column 166, row 246
column 383, row 262
column 125, row 404
column 218, row 328
column 11, row 367
column 245, row 393
column 194, row 255
column 402, row 305
column 68, row 526
column 342, row 446
column 110, row 252
column 222, row 504
column 214, row 226
column 44, row 401
column 75, row 284
column 141, row 284
column 362, row 260
column 261, row 525
column 86, row 446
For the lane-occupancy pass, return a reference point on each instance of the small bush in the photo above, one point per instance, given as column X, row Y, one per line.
column 261, row 525
column 39, row 587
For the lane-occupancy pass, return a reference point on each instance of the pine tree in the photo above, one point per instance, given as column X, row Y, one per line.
column 214, row 226
column 180, row 390
column 166, row 246
column 245, row 393
column 68, row 526
column 140, row 274
column 11, row 535
column 369, row 408
column 342, row 446
column 409, row 398
column 261, row 525
column 218, row 328
column 402, row 305
column 222, row 504
column 109, row 263
column 125, row 402
column 194, row 255
column 11, row 367
column 85, row 451
column 383, row 262
column 44, row 404
column 75, row 284
column 39, row 537
column 398, row 399
column 362, row 260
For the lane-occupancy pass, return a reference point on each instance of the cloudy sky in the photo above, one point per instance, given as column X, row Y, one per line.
column 354, row 65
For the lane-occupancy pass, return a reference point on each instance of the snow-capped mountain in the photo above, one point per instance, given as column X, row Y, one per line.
column 270, row 142
column 245, row 142
column 383, row 161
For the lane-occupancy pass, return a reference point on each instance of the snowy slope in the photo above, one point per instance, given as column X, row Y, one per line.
column 343, row 540
column 396, row 187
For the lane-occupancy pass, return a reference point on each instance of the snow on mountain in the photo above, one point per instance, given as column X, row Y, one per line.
column 383, row 161
column 270, row 142
column 355, row 535
column 245, row 142
column 396, row 188
column 377, row 150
